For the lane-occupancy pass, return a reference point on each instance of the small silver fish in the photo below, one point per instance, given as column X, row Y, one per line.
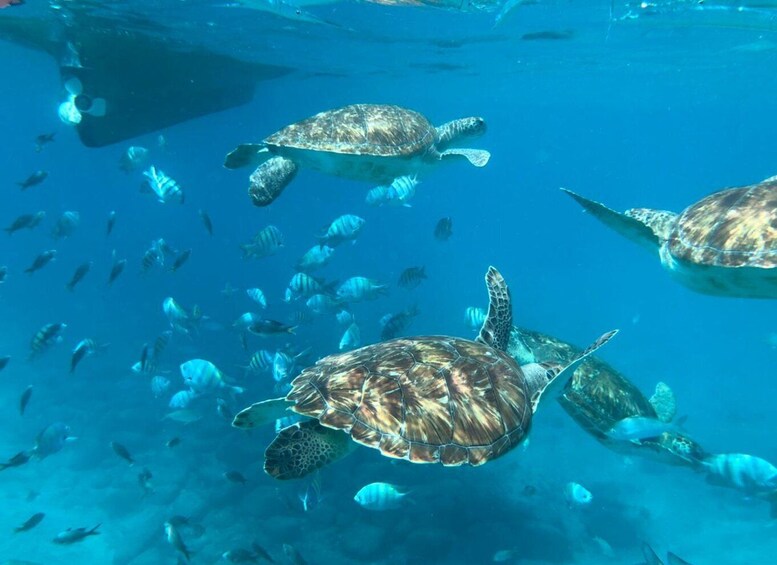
column 380, row 497
column 257, row 296
column 351, row 339
column 174, row 538
column 577, row 495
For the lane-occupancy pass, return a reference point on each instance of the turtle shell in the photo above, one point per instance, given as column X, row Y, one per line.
column 426, row 399
column 736, row 227
column 597, row 396
column 360, row 129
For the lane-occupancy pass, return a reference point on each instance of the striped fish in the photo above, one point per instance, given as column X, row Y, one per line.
column 265, row 243
column 344, row 228
column 747, row 473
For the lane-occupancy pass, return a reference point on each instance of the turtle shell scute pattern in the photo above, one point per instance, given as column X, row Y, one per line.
column 360, row 129
column 426, row 399
column 736, row 227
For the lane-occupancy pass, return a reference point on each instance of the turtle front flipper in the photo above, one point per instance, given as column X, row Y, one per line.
column 499, row 320
column 261, row 413
column 245, row 155
column 556, row 379
column 476, row 157
column 303, row 448
column 639, row 225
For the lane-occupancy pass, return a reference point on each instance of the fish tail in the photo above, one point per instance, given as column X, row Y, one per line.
column 292, row 330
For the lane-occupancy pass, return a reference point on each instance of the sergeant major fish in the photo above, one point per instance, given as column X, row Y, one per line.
column 257, row 296
column 84, row 348
column 122, row 452
column 474, row 317
column 380, row 496
column 203, row 376
column 45, row 337
column 637, row 428
column 117, row 269
column 315, row 258
column 444, row 229
column 747, row 473
column 344, row 228
column 302, row 285
column 265, row 243
column 356, row 289
column 394, row 324
column 402, row 190
column 164, row 187
column 412, row 277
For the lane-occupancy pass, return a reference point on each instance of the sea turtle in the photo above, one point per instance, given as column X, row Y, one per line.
column 371, row 142
column 432, row 399
column 725, row 244
column 597, row 397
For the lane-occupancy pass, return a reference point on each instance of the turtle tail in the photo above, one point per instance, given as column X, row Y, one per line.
column 303, row 448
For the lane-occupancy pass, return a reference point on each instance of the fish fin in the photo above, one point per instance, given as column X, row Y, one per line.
column 556, row 382
column 651, row 558
column 672, row 559
column 476, row 157
column 261, row 413
column 292, row 330
column 246, row 154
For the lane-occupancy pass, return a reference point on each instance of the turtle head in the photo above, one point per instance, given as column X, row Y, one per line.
column 450, row 132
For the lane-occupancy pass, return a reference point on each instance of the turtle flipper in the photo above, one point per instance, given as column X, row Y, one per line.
column 663, row 402
column 303, row 448
column 269, row 179
column 557, row 379
column 261, row 413
column 476, row 157
column 499, row 321
column 633, row 228
column 245, row 155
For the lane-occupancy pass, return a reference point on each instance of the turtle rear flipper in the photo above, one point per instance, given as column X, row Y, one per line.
column 245, row 155
column 557, row 381
column 664, row 403
column 635, row 229
column 476, row 157
column 303, row 448
column 261, row 413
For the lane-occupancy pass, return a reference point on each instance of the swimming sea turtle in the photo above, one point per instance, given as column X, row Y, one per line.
column 725, row 244
column 598, row 397
column 371, row 142
column 433, row 399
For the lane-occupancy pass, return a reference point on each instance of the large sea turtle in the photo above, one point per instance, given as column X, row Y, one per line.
column 370, row 142
column 725, row 244
column 434, row 399
column 597, row 397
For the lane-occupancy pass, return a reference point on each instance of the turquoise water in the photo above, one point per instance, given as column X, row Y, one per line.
column 658, row 110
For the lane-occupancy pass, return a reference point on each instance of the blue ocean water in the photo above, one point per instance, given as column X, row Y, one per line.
column 657, row 111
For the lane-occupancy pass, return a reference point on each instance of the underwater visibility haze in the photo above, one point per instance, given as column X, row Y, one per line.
column 337, row 282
